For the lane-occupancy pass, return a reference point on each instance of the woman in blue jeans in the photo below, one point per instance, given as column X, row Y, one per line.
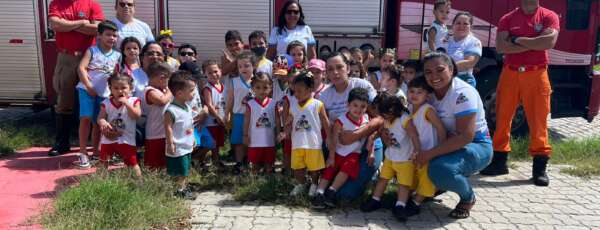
column 468, row 148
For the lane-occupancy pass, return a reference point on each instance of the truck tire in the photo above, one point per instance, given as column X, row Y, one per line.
column 487, row 80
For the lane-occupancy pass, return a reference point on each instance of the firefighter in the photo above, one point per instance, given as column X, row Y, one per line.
column 524, row 35
column 75, row 23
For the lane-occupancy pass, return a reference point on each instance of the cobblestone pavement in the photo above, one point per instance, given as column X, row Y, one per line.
column 506, row 202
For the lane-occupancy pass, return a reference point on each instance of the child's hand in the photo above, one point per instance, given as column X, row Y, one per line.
column 281, row 136
column 170, row 148
column 371, row 159
column 91, row 91
column 122, row 99
column 330, row 161
column 422, row 158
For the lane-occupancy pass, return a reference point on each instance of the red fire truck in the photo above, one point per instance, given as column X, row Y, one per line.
column 28, row 52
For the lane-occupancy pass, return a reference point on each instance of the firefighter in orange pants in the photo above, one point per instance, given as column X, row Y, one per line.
column 524, row 36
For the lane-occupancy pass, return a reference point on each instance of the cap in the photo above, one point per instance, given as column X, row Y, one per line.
column 192, row 67
column 316, row 64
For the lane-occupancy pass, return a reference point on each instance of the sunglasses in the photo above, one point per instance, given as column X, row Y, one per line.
column 185, row 54
column 154, row 53
column 124, row 4
column 167, row 45
column 296, row 12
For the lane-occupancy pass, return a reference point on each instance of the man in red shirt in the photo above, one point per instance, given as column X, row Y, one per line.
column 524, row 35
column 75, row 23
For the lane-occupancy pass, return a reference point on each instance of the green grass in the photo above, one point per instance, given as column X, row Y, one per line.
column 582, row 155
column 115, row 200
column 16, row 136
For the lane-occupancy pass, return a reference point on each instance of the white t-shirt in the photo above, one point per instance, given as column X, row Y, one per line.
column 461, row 100
column 101, row 66
column 154, row 116
column 441, row 35
column 301, row 33
column 350, row 125
column 265, row 66
column 140, row 81
column 196, row 103
column 119, row 119
column 183, row 129
column 400, row 148
column 306, row 124
column 135, row 28
column 242, row 93
column 427, row 133
column 262, row 123
column 317, row 94
column 218, row 96
column 469, row 46
column 336, row 103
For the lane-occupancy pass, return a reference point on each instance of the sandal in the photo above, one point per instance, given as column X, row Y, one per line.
column 462, row 210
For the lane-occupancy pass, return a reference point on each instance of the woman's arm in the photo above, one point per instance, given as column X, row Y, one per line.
column 348, row 137
column 465, row 132
column 337, row 129
column 312, row 52
column 328, row 131
column 440, row 130
column 467, row 64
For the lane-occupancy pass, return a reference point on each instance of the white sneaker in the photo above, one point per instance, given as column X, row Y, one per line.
column 84, row 162
column 312, row 191
column 298, row 189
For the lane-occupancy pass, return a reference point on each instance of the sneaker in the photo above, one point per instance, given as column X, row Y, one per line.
column 371, row 205
column 318, row 202
column 237, row 168
column 312, row 191
column 185, row 194
column 400, row 213
column 84, row 162
column 330, row 198
column 412, row 208
column 116, row 161
column 298, row 189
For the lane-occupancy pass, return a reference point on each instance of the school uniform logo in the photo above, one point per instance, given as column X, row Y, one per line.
column 118, row 123
column 263, row 121
column 393, row 141
column 461, row 99
column 302, row 124
column 247, row 98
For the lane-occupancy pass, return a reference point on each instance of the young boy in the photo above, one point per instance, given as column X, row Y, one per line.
column 179, row 131
column 156, row 98
column 281, row 90
column 117, row 122
column 260, row 126
column 437, row 35
column 306, row 116
column 258, row 46
column 409, row 73
column 234, row 46
column 344, row 164
column 214, row 97
column 96, row 66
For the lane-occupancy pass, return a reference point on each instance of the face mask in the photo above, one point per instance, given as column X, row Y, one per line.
column 259, row 51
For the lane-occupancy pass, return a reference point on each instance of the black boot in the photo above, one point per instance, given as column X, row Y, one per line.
column 540, row 178
column 497, row 166
column 62, row 144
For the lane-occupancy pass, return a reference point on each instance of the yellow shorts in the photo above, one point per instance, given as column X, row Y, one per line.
column 312, row 159
column 409, row 175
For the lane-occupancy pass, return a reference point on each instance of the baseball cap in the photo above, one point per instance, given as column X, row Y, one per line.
column 193, row 68
column 316, row 64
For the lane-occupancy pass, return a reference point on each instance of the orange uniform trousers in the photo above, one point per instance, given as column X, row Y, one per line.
column 531, row 89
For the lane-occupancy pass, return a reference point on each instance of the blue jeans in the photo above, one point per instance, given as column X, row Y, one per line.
column 468, row 78
column 451, row 171
column 353, row 189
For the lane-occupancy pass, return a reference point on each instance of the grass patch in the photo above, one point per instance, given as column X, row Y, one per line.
column 112, row 200
column 14, row 137
column 582, row 155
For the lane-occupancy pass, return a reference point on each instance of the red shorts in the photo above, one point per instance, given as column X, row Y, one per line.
column 287, row 146
column 155, row 157
column 261, row 155
column 218, row 134
column 348, row 164
column 125, row 151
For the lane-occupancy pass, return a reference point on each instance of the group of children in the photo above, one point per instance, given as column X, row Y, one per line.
column 185, row 114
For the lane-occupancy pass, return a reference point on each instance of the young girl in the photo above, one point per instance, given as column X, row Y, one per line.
column 409, row 72
column 156, row 98
column 306, row 118
column 387, row 57
column 168, row 45
column 214, row 98
column 317, row 68
column 131, row 52
column 298, row 52
column 260, row 125
column 281, row 90
column 237, row 99
column 402, row 141
column 437, row 34
column 117, row 122
column 391, row 82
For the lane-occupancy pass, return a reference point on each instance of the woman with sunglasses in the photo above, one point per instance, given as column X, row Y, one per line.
column 291, row 27
column 128, row 25
column 165, row 39
column 186, row 52
column 151, row 52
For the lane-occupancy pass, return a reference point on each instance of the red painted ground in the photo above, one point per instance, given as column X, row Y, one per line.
column 28, row 180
